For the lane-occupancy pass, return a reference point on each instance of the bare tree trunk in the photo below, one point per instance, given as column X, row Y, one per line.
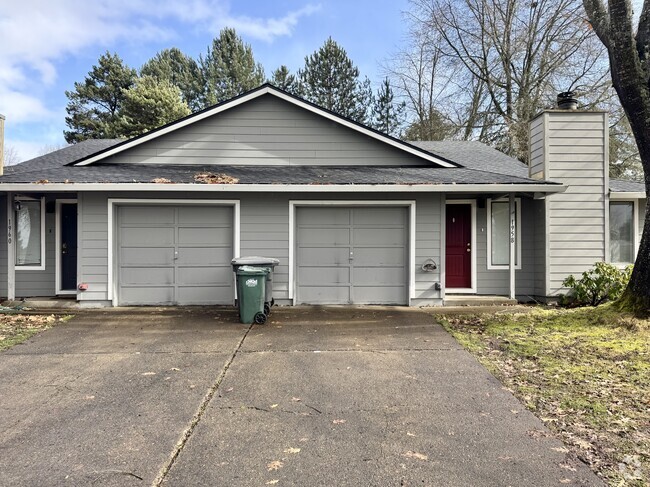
column 629, row 58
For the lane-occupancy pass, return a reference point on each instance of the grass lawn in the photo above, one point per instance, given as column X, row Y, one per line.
column 16, row 328
column 584, row 372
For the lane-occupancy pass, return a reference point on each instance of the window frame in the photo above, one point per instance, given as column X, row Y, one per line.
column 40, row 267
column 490, row 265
column 635, row 230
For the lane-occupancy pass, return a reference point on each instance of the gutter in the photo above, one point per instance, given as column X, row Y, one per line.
column 287, row 188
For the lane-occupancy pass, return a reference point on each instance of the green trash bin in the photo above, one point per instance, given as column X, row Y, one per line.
column 251, row 286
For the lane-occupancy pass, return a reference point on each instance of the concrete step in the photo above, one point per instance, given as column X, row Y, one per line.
column 474, row 300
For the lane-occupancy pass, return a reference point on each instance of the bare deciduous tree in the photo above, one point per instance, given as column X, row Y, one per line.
column 509, row 60
column 628, row 46
column 11, row 156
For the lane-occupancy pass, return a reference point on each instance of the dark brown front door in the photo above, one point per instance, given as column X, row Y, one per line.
column 459, row 251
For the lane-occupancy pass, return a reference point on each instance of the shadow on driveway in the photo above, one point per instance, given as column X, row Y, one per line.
column 318, row 396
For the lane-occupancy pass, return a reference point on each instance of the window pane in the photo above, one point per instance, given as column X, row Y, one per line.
column 28, row 234
column 621, row 232
column 500, row 233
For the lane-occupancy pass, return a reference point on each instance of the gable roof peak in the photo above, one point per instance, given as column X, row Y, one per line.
column 265, row 89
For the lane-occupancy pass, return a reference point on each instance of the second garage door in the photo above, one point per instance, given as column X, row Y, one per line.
column 354, row 255
column 174, row 255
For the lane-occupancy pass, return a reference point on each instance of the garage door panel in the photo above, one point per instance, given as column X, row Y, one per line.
column 380, row 237
column 312, row 276
column 378, row 215
column 380, row 294
column 147, row 237
column 204, row 236
column 185, row 260
column 204, row 256
column 146, row 215
column 378, row 256
column 325, row 294
column 324, row 256
column 324, row 237
column 205, row 215
column 204, row 295
column 146, row 256
column 395, row 276
column 324, row 216
column 146, row 275
column 204, row 276
column 159, row 295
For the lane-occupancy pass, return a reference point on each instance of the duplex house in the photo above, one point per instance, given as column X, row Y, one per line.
column 354, row 215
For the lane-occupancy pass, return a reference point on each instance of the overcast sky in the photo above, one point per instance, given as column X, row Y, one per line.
column 47, row 45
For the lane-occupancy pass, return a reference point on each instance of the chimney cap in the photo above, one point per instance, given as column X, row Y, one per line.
column 567, row 100
column 2, row 117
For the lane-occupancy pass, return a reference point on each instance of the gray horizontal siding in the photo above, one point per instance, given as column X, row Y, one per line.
column 264, row 231
column 497, row 281
column 266, row 131
column 576, row 219
column 537, row 143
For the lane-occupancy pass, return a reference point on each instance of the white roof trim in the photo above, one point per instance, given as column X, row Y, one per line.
column 250, row 96
column 286, row 188
column 627, row 195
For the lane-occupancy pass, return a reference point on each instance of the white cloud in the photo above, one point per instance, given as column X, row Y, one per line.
column 37, row 34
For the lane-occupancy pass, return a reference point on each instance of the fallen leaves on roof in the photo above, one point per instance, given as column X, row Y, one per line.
column 212, row 178
column 161, row 181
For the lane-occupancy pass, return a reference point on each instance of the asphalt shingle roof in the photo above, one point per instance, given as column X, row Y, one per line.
column 483, row 165
column 62, row 156
column 475, row 155
column 146, row 173
column 624, row 186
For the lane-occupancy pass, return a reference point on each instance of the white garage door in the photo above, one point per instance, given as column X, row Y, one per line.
column 355, row 255
column 174, row 255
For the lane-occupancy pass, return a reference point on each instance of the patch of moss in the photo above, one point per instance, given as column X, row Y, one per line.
column 585, row 372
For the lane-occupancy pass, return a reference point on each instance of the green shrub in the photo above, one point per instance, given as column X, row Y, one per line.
column 603, row 282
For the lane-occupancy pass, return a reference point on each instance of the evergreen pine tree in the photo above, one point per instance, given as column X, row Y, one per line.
column 387, row 114
column 94, row 105
column 330, row 79
column 149, row 104
column 180, row 70
column 228, row 68
column 283, row 79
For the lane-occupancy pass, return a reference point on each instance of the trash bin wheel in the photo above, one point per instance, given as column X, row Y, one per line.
column 267, row 309
column 260, row 318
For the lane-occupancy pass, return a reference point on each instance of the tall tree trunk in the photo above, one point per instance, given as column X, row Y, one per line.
column 629, row 61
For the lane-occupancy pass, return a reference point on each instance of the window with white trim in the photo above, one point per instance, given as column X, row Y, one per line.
column 498, row 234
column 621, row 232
column 29, row 218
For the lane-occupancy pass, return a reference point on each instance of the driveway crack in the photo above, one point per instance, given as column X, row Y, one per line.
column 199, row 414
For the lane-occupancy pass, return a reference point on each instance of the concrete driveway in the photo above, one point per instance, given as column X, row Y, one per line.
column 318, row 396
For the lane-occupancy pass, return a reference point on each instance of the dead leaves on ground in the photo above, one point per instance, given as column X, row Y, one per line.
column 274, row 465
column 15, row 328
column 416, row 455
column 585, row 374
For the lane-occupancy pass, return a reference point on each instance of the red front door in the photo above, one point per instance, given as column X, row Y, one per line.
column 459, row 251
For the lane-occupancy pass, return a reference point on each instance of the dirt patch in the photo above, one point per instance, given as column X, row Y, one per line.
column 585, row 373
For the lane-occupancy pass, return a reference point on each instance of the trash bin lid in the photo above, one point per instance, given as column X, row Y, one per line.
column 255, row 260
column 247, row 270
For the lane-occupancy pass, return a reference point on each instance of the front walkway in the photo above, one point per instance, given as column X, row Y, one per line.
column 318, row 396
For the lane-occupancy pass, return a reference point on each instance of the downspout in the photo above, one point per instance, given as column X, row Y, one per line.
column 11, row 249
column 512, row 240
column 2, row 144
